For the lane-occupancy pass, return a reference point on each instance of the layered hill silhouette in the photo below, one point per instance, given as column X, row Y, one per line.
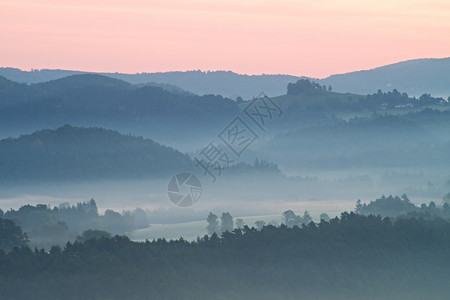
column 176, row 117
column 95, row 100
column 383, row 141
column 226, row 83
column 414, row 77
column 86, row 153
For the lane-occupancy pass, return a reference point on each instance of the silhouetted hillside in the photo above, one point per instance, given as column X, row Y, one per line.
column 95, row 100
column 382, row 141
column 82, row 81
column 86, row 153
column 226, row 83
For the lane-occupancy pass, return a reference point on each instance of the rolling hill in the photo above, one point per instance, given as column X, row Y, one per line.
column 226, row 83
column 86, row 153
column 96, row 100
column 380, row 141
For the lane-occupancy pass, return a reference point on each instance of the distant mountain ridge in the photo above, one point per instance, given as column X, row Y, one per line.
column 225, row 83
column 415, row 77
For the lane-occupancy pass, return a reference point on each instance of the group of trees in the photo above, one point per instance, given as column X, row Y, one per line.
column 11, row 235
column 390, row 99
column 390, row 206
column 306, row 86
column 427, row 99
column 348, row 257
column 394, row 99
column 226, row 223
column 259, row 166
column 378, row 100
column 291, row 219
column 46, row 226
column 395, row 206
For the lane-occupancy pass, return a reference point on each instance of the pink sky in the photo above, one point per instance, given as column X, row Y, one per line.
column 311, row 38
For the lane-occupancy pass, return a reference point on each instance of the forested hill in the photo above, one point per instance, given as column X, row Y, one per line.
column 87, row 89
column 85, row 153
column 95, row 100
column 381, row 141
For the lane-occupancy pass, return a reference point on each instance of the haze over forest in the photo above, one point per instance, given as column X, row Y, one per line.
column 87, row 156
column 224, row 150
column 320, row 146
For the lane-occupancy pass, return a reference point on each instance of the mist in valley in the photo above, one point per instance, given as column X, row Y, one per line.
column 261, row 151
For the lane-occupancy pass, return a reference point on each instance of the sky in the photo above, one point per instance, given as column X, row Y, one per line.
column 304, row 38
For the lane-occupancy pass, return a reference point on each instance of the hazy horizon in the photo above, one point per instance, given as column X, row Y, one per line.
column 212, row 149
column 147, row 36
column 218, row 70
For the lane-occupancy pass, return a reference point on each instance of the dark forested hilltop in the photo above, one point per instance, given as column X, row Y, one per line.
column 85, row 153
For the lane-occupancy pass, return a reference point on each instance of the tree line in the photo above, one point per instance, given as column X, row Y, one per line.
column 379, row 100
column 401, row 206
column 46, row 226
column 348, row 257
